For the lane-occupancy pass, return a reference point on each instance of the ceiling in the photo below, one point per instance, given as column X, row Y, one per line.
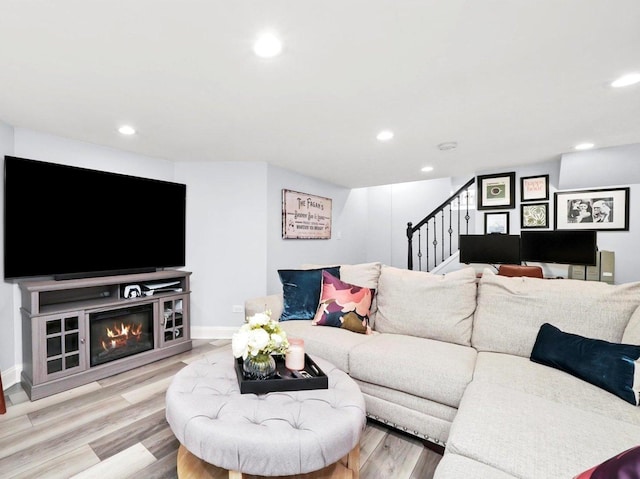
column 513, row 82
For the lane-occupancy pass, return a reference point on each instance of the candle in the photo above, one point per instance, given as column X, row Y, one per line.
column 294, row 358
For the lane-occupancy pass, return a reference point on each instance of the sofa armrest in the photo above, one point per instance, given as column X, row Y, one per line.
column 273, row 302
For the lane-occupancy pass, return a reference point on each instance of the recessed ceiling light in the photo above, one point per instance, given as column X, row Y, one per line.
column 626, row 80
column 584, row 146
column 448, row 145
column 267, row 46
column 427, row 169
column 127, row 130
column 384, row 135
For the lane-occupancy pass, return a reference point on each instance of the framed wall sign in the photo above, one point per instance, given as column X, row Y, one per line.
column 534, row 215
column 496, row 191
column 305, row 216
column 496, row 223
column 534, row 188
column 601, row 209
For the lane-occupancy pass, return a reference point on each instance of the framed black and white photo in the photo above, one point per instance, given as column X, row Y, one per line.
column 534, row 188
column 601, row 209
column 496, row 191
column 496, row 223
column 534, row 215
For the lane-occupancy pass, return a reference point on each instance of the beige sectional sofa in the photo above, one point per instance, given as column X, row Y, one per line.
column 449, row 362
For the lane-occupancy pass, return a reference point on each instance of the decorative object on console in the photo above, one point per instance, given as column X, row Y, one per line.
column 305, row 216
column 601, row 209
column 610, row 366
column 624, row 465
column 534, row 215
column 256, row 341
column 343, row 305
column 301, row 290
column 496, row 223
column 496, row 191
column 534, row 188
column 132, row 291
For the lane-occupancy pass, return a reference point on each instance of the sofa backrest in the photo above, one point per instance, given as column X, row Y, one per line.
column 510, row 310
column 427, row 305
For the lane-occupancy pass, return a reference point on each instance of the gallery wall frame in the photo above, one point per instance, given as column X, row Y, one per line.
column 305, row 216
column 534, row 188
column 496, row 223
column 534, row 215
column 497, row 191
column 603, row 209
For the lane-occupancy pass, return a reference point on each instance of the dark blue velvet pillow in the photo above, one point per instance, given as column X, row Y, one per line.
column 301, row 290
column 609, row 366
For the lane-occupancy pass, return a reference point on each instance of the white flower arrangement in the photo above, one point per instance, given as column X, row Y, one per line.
column 259, row 335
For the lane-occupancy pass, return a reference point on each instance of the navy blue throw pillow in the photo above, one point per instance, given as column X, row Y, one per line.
column 609, row 366
column 301, row 290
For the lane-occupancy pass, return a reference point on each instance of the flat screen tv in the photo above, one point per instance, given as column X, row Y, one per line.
column 559, row 246
column 65, row 221
column 490, row 249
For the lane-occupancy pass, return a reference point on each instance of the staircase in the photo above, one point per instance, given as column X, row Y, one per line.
column 438, row 232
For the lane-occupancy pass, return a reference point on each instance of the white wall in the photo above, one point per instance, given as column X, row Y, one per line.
column 349, row 220
column 226, row 241
column 9, row 322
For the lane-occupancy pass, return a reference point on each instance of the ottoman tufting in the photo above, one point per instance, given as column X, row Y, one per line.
column 274, row 434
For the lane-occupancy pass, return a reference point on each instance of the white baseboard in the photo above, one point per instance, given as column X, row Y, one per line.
column 212, row 332
column 11, row 376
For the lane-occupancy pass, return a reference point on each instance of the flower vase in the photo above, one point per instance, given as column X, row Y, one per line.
column 260, row 366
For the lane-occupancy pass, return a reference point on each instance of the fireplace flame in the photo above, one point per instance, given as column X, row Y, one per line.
column 119, row 336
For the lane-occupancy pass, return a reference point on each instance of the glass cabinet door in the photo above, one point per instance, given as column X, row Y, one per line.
column 174, row 327
column 62, row 340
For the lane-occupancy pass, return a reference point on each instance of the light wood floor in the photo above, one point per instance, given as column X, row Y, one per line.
column 115, row 428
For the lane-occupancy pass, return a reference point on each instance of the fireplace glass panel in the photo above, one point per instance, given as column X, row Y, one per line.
column 120, row 333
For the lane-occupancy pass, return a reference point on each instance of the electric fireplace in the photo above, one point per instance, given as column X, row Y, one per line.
column 119, row 333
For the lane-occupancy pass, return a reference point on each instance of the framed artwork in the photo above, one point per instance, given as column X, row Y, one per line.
column 496, row 223
column 534, row 188
column 305, row 216
column 496, row 191
column 534, row 215
column 601, row 209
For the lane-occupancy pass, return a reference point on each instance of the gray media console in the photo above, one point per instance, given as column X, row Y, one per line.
column 82, row 330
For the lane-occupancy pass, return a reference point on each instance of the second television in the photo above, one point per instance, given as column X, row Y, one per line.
column 559, row 246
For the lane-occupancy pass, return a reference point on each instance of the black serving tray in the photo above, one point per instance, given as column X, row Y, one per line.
column 283, row 380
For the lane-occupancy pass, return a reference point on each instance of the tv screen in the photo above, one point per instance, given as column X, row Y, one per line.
column 68, row 221
column 490, row 249
column 559, row 246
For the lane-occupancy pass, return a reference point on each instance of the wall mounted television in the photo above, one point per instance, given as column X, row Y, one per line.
column 490, row 249
column 559, row 246
column 66, row 221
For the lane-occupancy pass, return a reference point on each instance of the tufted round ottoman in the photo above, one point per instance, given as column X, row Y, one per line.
column 274, row 434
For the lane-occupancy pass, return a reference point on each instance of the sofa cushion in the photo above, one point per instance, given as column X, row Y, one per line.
column 531, row 437
column 521, row 374
column 613, row 367
column 301, row 291
column 453, row 466
column 426, row 368
column 631, row 333
column 362, row 274
column 427, row 305
column 625, row 465
column 332, row 344
column 517, row 307
column 343, row 305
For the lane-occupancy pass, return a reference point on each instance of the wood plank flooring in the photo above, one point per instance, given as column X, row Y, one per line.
column 116, row 428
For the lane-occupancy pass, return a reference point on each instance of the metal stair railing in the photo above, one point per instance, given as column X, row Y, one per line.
column 437, row 227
